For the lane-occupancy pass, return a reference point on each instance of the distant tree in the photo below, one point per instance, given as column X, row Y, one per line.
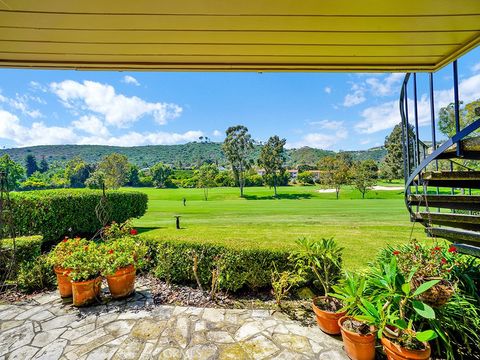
column 96, row 180
column 225, row 178
column 305, row 178
column 43, row 167
column 305, row 167
column 364, row 175
column 392, row 167
column 336, row 172
column 77, row 171
column 446, row 120
column 272, row 159
column 133, row 178
column 238, row 147
column 115, row 170
column 160, row 174
column 206, row 178
column 12, row 171
column 30, row 164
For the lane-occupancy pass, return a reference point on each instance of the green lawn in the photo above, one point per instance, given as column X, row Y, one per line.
column 361, row 226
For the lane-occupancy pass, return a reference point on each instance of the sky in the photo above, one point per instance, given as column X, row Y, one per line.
column 335, row 111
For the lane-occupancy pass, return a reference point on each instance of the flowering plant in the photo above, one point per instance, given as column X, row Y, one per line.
column 62, row 251
column 84, row 260
column 116, row 230
column 122, row 252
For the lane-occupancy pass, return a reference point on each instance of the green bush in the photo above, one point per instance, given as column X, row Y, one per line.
column 35, row 275
column 238, row 268
column 71, row 212
column 27, row 249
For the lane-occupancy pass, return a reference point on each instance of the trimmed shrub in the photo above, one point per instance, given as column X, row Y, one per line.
column 238, row 268
column 27, row 249
column 35, row 275
column 71, row 212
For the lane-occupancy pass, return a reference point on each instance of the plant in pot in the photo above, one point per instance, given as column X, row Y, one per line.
column 324, row 259
column 85, row 265
column 121, row 257
column 57, row 258
column 358, row 336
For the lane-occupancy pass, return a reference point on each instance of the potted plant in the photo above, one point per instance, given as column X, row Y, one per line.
column 121, row 257
column 358, row 336
column 85, row 265
column 56, row 258
column 324, row 259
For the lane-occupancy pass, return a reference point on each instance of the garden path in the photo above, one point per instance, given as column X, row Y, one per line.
column 44, row 328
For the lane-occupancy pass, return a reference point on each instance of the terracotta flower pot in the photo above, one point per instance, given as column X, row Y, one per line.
column 63, row 281
column 396, row 352
column 86, row 292
column 326, row 320
column 357, row 346
column 122, row 283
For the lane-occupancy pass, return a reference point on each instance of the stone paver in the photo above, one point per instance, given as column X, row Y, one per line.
column 45, row 328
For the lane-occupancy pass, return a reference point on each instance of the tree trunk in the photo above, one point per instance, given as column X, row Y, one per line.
column 275, row 185
column 337, row 190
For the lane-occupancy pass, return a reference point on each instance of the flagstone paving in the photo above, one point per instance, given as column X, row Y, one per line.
column 44, row 328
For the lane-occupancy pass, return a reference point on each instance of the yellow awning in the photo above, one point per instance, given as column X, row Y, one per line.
column 252, row 35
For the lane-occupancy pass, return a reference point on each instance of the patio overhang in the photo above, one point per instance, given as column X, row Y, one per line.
column 249, row 35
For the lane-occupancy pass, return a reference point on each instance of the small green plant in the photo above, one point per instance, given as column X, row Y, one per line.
column 117, row 231
column 283, row 281
column 324, row 258
column 62, row 251
column 350, row 291
column 85, row 261
column 35, row 275
column 122, row 252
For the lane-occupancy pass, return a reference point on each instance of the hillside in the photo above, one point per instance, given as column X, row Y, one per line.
column 184, row 155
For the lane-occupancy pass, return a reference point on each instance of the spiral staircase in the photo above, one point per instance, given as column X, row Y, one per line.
column 442, row 178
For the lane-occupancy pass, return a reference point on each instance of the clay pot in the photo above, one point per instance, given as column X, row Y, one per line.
column 357, row 346
column 86, row 292
column 63, row 282
column 326, row 320
column 122, row 283
column 396, row 352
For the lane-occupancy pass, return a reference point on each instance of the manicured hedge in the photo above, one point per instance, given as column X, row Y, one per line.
column 27, row 249
column 239, row 268
column 69, row 212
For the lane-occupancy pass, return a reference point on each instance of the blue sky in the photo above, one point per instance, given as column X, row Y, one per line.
column 338, row 111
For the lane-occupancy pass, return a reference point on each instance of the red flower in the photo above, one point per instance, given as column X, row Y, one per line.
column 437, row 248
column 65, row 240
column 444, row 261
column 417, row 247
column 133, row 232
column 396, row 252
column 452, row 249
column 110, row 251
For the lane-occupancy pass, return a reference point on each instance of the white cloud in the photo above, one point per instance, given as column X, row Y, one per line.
column 387, row 86
column 118, row 110
column 134, row 138
column 127, row 79
column 328, row 89
column 476, row 68
column 387, row 115
column 334, row 132
column 37, row 86
column 91, row 125
column 217, row 133
column 21, row 103
column 356, row 97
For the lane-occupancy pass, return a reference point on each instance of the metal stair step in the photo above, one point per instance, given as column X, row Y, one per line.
column 457, row 179
column 458, row 202
column 470, row 149
column 468, row 249
column 455, row 235
column 462, row 221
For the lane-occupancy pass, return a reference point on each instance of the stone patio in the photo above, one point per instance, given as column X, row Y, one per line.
column 44, row 328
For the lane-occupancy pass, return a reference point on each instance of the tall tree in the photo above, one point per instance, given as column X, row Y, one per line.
column 392, row 167
column 238, row 146
column 115, row 170
column 272, row 159
column 43, row 167
column 31, row 164
column 364, row 176
column 160, row 174
column 12, row 171
column 77, row 171
column 133, row 178
column 336, row 172
column 206, row 178
column 446, row 119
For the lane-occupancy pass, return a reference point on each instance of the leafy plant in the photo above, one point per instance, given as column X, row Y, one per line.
column 283, row 281
column 85, row 261
column 350, row 291
column 324, row 258
column 118, row 253
column 35, row 275
column 58, row 256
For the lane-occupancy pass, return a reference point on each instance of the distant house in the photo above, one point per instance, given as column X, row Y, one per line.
column 293, row 173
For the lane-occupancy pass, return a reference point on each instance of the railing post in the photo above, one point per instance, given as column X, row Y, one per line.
column 407, row 128
column 432, row 120
column 456, row 105
column 415, row 107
